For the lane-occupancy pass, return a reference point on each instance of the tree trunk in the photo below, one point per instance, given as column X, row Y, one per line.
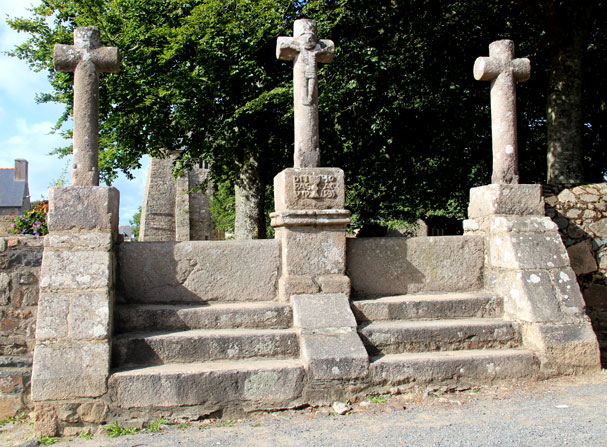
column 250, row 222
column 564, row 102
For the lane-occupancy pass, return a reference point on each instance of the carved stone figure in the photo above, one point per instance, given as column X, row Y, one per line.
column 305, row 50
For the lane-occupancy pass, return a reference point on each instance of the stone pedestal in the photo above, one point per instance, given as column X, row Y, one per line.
column 527, row 263
column 310, row 222
column 73, row 330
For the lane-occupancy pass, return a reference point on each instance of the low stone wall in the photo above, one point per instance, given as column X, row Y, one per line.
column 397, row 266
column 20, row 259
column 581, row 215
column 198, row 271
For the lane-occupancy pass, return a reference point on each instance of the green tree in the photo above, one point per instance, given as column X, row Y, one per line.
column 400, row 111
column 135, row 224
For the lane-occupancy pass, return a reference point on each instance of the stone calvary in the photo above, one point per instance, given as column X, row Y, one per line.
column 135, row 331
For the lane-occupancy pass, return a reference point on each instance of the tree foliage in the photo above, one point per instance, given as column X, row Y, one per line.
column 400, row 111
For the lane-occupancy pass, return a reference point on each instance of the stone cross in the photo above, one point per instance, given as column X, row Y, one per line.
column 305, row 50
column 503, row 71
column 86, row 59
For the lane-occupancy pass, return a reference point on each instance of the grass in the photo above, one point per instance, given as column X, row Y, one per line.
column 114, row 430
column 156, row 425
column 10, row 419
column 228, row 423
column 184, row 425
column 86, row 436
column 48, row 440
column 377, row 399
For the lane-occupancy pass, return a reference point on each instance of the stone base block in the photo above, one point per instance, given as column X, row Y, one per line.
column 83, row 208
column 563, row 348
column 322, row 311
column 73, row 371
column 334, row 356
column 519, row 200
column 309, row 189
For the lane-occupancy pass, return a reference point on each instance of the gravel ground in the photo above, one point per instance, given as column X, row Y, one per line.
column 563, row 412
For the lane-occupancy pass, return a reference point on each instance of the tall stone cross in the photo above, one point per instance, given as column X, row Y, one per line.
column 86, row 59
column 503, row 71
column 305, row 50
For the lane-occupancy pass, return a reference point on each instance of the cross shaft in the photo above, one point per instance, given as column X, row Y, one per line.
column 86, row 59
column 503, row 71
column 305, row 50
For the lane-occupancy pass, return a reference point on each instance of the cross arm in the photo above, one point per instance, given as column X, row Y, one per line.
column 287, row 48
column 106, row 59
column 326, row 52
column 487, row 68
column 65, row 57
column 521, row 68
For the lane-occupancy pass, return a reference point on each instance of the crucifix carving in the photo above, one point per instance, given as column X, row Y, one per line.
column 86, row 59
column 305, row 50
column 503, row 71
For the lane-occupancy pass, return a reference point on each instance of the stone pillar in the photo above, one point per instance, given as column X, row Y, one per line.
column 527, row 264
column 310, row 222
column 73, row 330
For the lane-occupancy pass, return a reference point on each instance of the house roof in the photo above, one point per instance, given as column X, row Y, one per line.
column 11, row 192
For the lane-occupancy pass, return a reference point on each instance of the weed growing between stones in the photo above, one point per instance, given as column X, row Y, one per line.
column 156, row 425
column 114, row 430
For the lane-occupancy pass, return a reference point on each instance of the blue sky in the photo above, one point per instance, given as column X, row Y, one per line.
column 25, row 126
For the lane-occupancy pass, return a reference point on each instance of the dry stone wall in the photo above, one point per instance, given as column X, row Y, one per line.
column 20, row 259
column 581, row 215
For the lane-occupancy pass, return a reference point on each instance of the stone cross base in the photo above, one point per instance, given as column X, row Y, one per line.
column 73, row 329
column 310, row 222
column 527, row 263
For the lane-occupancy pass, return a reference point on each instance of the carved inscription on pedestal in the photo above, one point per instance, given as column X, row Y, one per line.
column 315, row 186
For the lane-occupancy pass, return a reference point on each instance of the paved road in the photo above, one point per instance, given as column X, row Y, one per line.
column 564, row 412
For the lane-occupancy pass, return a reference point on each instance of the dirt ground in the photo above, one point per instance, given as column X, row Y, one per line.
column 564, row 411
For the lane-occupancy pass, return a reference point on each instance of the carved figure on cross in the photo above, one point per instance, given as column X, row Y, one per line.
column 305, row 50
column 86, row 59
column 503, row 71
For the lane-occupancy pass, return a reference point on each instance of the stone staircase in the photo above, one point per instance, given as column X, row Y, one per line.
column 434, row 338
column 209, row 356
column 182, row 348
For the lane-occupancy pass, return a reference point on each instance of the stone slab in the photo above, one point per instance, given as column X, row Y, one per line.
column 90, row 316
column 79, row 241
column 392, row 337
column 474, row 367
column 76, row 270
column 528, row 296
column 72, row 371
column 309, row 189
column 564, row 348
column 265, row 314
column 83, row 208
column 322, row 311
column 527, row 251
column 201, row 345
column 567, row 291
column 312, row 251
column 53, row 310
column 582, row 258
column 413, row 307
column 198, row 271
column 397, row 266
column 262, row 384
column 507, row 199
column 339, row 355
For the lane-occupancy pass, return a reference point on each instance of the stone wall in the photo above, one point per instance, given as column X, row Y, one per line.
column 581, row 215
column 20, row 259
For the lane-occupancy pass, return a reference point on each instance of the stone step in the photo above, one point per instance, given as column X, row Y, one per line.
column 249, row 384
column 429, row 306
column 201, row 345
column 462, row 367
column 160, row 317
column 399, row 336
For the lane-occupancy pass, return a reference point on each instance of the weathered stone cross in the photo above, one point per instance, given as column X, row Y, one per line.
column 86, row 59
column 503, row 71
column 305, row 50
